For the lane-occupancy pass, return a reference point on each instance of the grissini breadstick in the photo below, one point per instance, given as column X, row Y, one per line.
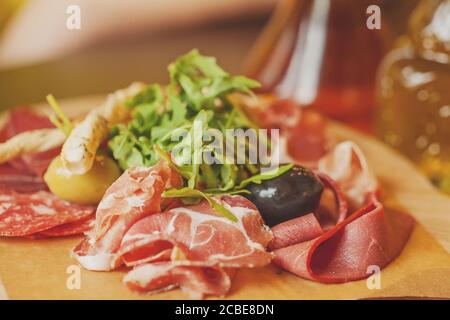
column 34, row 141
column 78, row 152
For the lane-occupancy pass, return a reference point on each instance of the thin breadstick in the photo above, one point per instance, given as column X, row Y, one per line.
column 78, row 152
column 34, row 141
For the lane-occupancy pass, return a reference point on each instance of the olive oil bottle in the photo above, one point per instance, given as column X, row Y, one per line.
column 413, row 92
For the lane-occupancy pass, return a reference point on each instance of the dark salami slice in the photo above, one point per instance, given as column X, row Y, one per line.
column 26, row 214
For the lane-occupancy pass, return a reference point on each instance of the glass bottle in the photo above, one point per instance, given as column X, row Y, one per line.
column 321, row 54
column 413, row 92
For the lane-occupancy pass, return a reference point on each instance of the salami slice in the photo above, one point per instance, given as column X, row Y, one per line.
column 14, row 179
column 26, row 214
column 69, row 229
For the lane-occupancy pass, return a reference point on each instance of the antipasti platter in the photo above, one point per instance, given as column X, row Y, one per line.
column 112, row 197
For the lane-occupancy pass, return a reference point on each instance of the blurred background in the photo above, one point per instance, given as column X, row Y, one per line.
column 391, row 80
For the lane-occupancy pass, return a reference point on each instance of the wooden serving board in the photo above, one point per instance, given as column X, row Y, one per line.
column 41, row 269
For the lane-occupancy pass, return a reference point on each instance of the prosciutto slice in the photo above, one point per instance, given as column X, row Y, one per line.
column 136, row 194
column 203, row 234
column 197, row 281
column 369, row 236
column 195, row 248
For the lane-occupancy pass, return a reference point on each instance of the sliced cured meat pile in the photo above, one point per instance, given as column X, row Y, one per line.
column 343, row 252
column 29, row 214
column 27, row 208
column 197, row 242
column 136, row 194
column 192, row 247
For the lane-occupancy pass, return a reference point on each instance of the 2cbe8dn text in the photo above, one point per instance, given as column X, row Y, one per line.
column 230, row 309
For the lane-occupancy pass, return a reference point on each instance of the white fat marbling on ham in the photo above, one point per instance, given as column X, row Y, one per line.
column 204, row 233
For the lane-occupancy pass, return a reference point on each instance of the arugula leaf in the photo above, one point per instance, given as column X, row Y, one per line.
column 202, row 81
column 269, row 175
column 194, row 193
column 149, row 95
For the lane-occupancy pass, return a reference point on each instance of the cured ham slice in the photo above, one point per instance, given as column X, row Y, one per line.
column 27, row 214
column 344, row 253
column 136, row 194
column 206, row 235
column 369, row 236
column 347, row 165
column 197, row 281
column 195, row 248
column 294, row 231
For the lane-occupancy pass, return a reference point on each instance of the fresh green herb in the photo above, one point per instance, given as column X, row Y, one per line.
column 269, row 175
column 166, row 119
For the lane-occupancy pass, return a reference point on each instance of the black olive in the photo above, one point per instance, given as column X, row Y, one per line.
column 293, row 194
